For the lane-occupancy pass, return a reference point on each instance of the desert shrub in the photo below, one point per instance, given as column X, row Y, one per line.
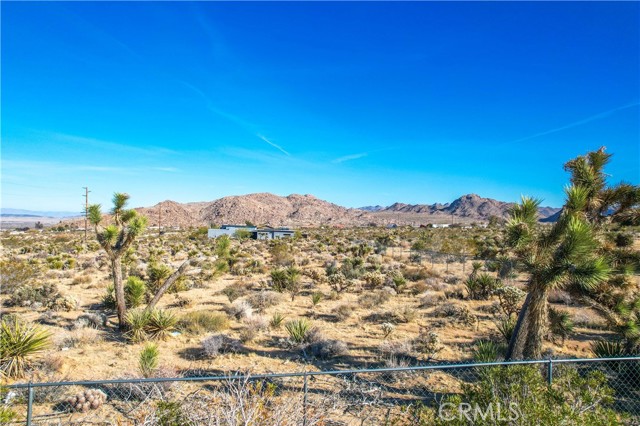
column 148, row 359
column 505, row 326
column 339, row 283
column 316, row 298
column 276, row 320
column 343, row 311
column 171, row 413
column 457, row 291
column 161, row 324
column 459, row 313
column 398, row 351
column 90, row 319
column 234, row 292
column 264, row 299
column 510, row 299
column 387, row 328
column 298, row 330
column 220, row 344
column 134, row 292
column 487, row 351
column 199, row 322
column 481, row 286
column 329, row 348
column 432, row 298
column 573, row 399
column 609, row 348
column 623, row 240
column 252, row 327
column 15, row 273
column 373, row 280
column 76, row 338
column 18, row 342
column 397, row 280
column 156, row 274
column 406, row 314
column 32, row 295
column 137, row 321
column 427, row 342
column 240, row 309
column 109, row 297
column 281, row 253
column 371, row 300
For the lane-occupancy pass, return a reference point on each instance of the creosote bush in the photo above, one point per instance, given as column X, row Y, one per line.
column 199, row 322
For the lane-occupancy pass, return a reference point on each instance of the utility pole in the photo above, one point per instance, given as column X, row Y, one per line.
column 159, row 217
column 86, row 211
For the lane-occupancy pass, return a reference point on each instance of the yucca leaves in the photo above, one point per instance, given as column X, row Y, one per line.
column 148, row 359
column 298, row 330
column 18, row 341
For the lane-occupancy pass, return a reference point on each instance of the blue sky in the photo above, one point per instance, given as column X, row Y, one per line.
column 357, row 103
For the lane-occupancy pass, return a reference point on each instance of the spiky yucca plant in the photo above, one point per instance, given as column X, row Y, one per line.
column 276, row 320
column 137, row 321
column 19, row 341
column 148, row 359
column 135, row 291
column 161, row 323
column 298, row 330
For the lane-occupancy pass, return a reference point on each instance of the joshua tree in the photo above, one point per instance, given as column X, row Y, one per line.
column 560, row 257
column 115, row 239
column 572, row 254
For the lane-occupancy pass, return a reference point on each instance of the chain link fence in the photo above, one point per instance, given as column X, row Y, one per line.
column 390, row 396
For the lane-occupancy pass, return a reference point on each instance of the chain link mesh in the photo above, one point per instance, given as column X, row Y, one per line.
column 367, row 397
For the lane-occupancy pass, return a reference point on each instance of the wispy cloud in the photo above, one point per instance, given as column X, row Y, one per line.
column 278, row 147
column 349, row 157
column 579, row 122
column 104, row 144
column 166, row 169
column 215, row 110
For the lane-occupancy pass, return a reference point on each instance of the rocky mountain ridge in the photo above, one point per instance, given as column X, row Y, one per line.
column 307, row 210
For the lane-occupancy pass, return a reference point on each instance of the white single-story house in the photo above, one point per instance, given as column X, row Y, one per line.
column 228, row 230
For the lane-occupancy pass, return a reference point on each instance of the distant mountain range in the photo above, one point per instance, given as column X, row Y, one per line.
column 307, row 210
column 6, row 212
column 470, row 206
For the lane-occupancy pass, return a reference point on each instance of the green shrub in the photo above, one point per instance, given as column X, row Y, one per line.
column 148, row 359
column 137, row 321
column 19, row 341
column 170, row 413
column 276, row 320
column 298, row 330
column 522, row 395
column 200, row 322
column 481, row 286
column 487, row 351
column 134, row 292
column 161, row 323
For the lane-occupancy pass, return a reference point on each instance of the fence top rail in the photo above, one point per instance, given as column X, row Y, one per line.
column 319, row 373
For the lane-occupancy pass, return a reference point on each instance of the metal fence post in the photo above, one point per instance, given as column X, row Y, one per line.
column 550, row 372
column 304, row 402
column 30, row 404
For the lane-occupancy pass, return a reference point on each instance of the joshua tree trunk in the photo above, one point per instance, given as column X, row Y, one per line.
column 537, row 322
column 168, row 283
column 516, row 343
column 116, row 270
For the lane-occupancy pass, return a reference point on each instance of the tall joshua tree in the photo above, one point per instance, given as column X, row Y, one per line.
column 572, row 254
column 115, row 239
column 562, row 256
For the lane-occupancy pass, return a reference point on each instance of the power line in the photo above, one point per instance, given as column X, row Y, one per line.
column 86, row 211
